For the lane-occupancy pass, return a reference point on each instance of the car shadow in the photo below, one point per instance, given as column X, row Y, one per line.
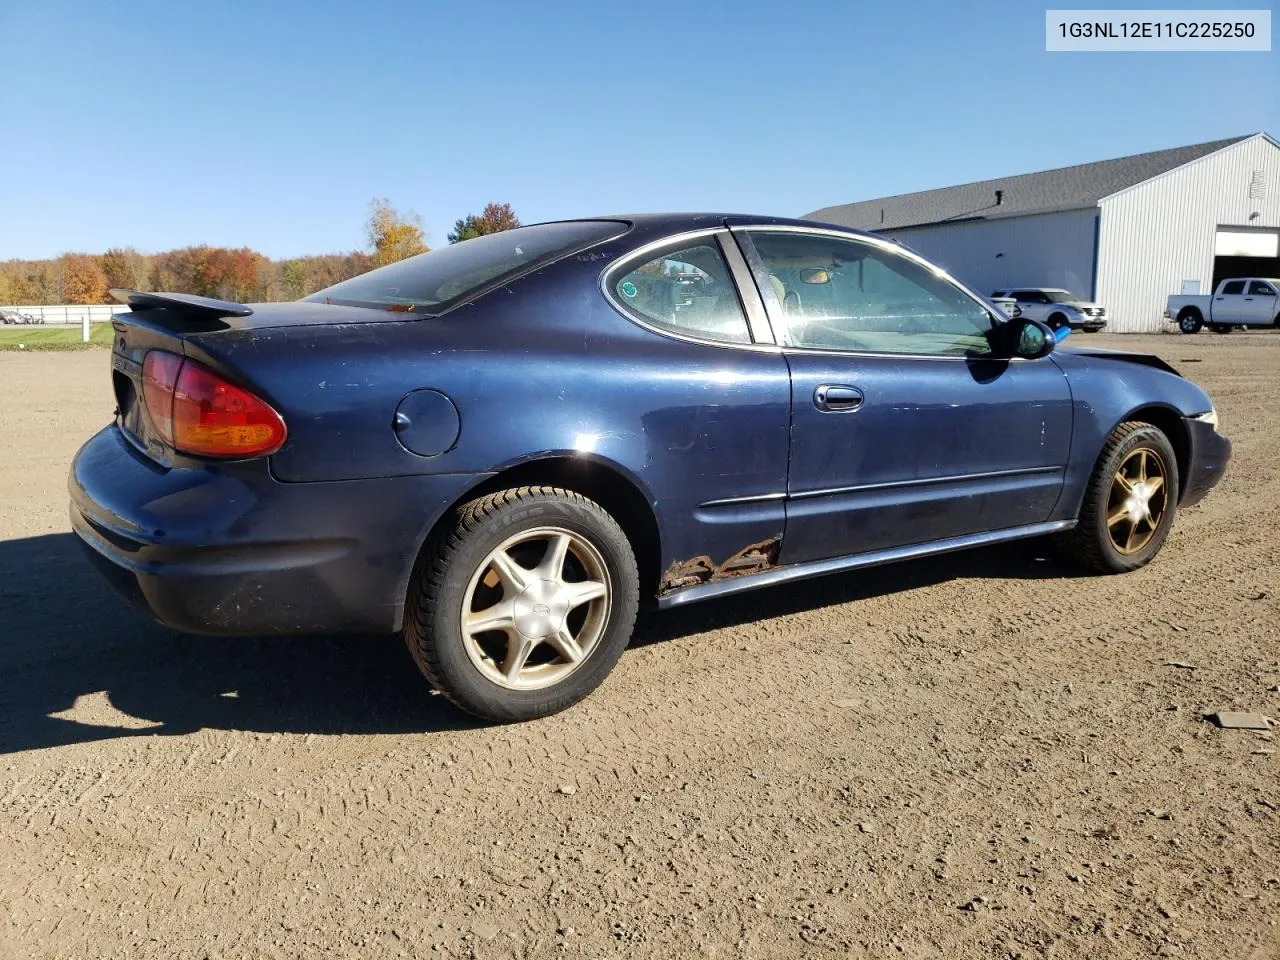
column 78, row 664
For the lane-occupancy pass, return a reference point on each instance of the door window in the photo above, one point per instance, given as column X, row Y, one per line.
column 844, row 294
column 1234, row 288
column 1260, row 289
column 687, row 290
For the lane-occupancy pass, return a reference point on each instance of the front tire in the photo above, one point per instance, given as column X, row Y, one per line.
column 523, row 605
column 1130, row 502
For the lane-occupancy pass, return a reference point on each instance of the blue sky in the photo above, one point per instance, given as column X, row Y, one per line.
column 273, row 123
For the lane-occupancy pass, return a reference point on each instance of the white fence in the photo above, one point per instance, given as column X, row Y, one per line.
column 67, row 313
column 70, row 314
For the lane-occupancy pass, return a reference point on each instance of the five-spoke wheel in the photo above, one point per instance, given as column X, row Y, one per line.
column 523, row 604
column 1129, row 503
column 1137, row 501
column 529, row 626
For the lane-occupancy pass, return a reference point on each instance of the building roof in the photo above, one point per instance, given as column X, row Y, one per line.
column 1067, row 188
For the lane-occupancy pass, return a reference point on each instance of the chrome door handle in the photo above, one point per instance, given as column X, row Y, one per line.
column 837, row 398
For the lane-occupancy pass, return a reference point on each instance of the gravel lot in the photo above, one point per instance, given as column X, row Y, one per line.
column 983, row 755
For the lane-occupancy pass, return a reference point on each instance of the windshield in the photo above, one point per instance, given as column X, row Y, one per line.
column 435, row 281
column 1061, row 296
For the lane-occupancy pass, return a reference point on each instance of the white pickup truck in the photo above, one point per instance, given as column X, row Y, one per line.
column 1240, row 302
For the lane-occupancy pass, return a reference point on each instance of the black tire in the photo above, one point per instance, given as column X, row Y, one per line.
column 1057, row 321
column 1190, row 321
column 445, row 575
column 1090, row 543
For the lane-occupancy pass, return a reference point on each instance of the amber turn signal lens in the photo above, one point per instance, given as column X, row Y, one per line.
column 200, row 413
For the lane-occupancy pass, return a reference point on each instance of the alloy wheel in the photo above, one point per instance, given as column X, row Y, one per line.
column 536, row 608
column 1137, row 501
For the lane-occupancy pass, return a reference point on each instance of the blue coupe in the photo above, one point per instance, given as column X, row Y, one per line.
column 502, row 447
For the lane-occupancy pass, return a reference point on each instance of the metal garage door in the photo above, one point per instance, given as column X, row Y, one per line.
column 1242, row 252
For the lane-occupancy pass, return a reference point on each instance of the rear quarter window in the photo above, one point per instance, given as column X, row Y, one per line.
column 687, row 290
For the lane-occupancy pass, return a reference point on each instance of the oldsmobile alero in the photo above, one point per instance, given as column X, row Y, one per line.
column 503, row 447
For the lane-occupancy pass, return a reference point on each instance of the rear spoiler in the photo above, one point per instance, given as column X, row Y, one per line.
column 203, row 308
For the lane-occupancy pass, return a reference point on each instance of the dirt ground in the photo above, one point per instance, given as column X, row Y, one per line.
column 983, row 755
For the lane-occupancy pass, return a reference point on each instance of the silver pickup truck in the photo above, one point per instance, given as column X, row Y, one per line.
column 1239, row 302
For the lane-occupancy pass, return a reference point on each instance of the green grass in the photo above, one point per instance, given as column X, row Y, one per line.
column 54, row 338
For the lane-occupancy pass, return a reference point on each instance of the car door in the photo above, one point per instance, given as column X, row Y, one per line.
column 1228, row 303
column 1034, row 304
column 1259, row 303
column 904, row 429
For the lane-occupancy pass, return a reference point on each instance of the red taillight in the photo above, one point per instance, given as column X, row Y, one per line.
column 159, row 377
column 199, row 413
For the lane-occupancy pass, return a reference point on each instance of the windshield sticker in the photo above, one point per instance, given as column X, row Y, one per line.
column 628, row 288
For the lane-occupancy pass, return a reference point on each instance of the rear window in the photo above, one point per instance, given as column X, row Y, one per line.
column 434, row 282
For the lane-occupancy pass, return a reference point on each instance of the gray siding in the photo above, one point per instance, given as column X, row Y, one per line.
column 1156, row 234
column 1042, row 250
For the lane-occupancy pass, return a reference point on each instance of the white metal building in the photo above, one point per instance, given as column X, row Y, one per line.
column 1125, row 232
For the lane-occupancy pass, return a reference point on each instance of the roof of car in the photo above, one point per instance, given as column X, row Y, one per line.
column 676, row 222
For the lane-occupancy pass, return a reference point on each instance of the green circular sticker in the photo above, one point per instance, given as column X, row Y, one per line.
column 628, row 288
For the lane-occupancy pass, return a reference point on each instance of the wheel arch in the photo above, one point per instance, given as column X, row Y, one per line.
column 1172, row 424
column 1192, row 311
column 607, row 483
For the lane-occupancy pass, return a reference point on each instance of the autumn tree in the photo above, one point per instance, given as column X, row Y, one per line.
column 18, row 283
column 228, row 274
column 82, row 279
column 175, row 271
column 392, row 236
column 243, row 275
column 495, row 218
column 125, row 267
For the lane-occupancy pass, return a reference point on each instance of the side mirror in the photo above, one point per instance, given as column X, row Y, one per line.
column 1022, row 337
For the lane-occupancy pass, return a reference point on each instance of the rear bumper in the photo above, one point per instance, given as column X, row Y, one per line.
column 1210, row 452
column 227, row 549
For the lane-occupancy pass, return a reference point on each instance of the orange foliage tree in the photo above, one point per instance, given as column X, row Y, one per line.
column 82, row 279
